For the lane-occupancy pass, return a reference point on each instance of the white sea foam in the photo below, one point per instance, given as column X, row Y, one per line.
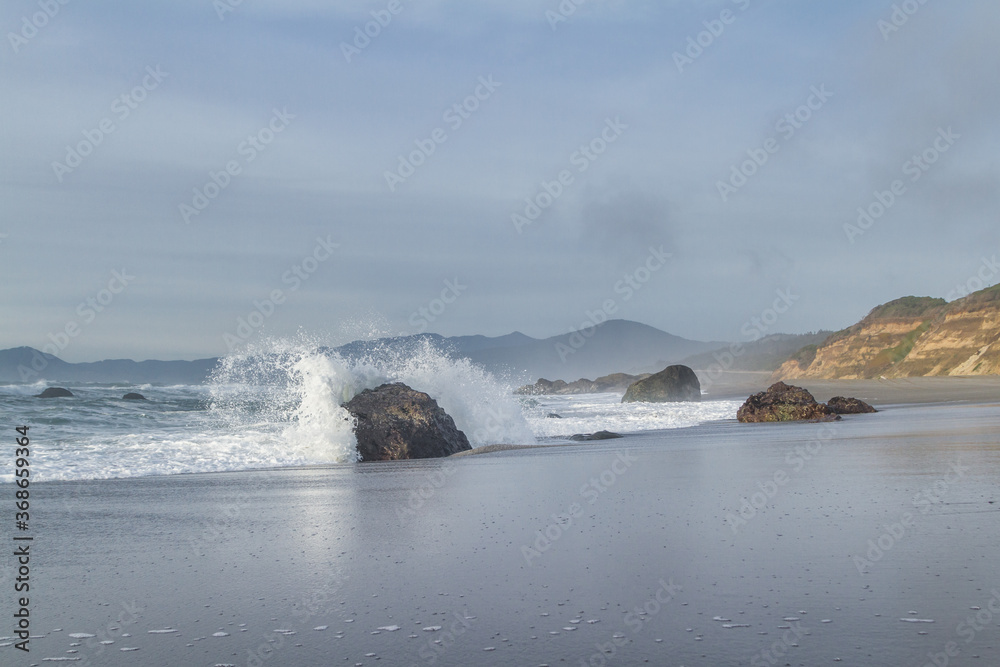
column 587, row 413
column 278, row 403
column 296, row 384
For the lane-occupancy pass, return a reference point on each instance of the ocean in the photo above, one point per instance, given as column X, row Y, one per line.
column 280, row 406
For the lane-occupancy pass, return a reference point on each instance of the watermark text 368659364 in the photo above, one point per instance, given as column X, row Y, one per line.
column 22, row 541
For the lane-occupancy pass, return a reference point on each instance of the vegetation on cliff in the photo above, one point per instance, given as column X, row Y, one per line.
column 908, row 337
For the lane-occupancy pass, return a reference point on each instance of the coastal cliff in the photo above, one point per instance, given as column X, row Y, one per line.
column 909, row 337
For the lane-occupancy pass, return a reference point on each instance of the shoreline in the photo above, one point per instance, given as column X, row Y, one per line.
column 882, row 394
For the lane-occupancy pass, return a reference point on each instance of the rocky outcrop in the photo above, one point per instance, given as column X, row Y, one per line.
column 672, row 384
column 782, row 403
column 599, row 435
column 397, row 422
column 614, row 383
column 132, row 396
column 910, row 337
column 849, row 406
column 55, row 392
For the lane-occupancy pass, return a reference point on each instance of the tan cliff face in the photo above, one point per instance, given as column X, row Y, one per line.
column 913, row 336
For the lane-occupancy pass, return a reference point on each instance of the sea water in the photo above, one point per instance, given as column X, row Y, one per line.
column 279, row 404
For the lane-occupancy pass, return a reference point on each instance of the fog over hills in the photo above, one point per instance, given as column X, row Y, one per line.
column 614, row 346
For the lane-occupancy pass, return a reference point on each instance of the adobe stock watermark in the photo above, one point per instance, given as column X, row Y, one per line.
column 436, row 479
column 87, row 311
column 591, row 491
column 796, row 459
column 104, row 638
column 968, row 629
column 493, row 427
column 294, row 277
column 698, row 44
column 422, row 318
column 580, row 159
column 929, row 498
column 455, row 117
column 363, row 35
column 924, row 502
column 213, row 529
column 419, row 495
column 635, row 620
column 562, row 12
column 31, row 24
column 915, row 168
column 900, row 16
column 311, row 605
column 121, row 108
column 223, row 7
column 754, row 329
column 786, row 128
column 628, row 286
column 985, row 277
column 247, row 151
column 774, row 654
column 439, row 639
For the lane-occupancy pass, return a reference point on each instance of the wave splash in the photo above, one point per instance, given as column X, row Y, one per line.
column 294, row 389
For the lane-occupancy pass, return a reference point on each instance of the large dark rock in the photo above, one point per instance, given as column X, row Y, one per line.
column 397, row 422
column 55, row 392
column 849, row 406
column 672, row 384
column 132, row 396
column 782, row 403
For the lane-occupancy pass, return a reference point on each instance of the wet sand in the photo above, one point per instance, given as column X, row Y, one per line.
column 872, row 541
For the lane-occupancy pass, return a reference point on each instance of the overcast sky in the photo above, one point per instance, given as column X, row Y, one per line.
column 94, row 183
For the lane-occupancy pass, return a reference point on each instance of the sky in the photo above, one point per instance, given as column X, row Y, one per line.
column 181, row 177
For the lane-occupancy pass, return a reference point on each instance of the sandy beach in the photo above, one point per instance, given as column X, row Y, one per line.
column 870, row 541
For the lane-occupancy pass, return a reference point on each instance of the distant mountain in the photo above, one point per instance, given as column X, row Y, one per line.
column 766, row 354
column 910, row 337
column 611, row 347
column 470, row 344
column 616, row 346
column 27, row 365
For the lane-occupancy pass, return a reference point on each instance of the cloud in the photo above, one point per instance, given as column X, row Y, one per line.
column 325, row 173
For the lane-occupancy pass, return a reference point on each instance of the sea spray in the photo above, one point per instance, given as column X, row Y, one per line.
column 319, row 425
column 296, row 387
column 278, row 405
column 481, row 404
